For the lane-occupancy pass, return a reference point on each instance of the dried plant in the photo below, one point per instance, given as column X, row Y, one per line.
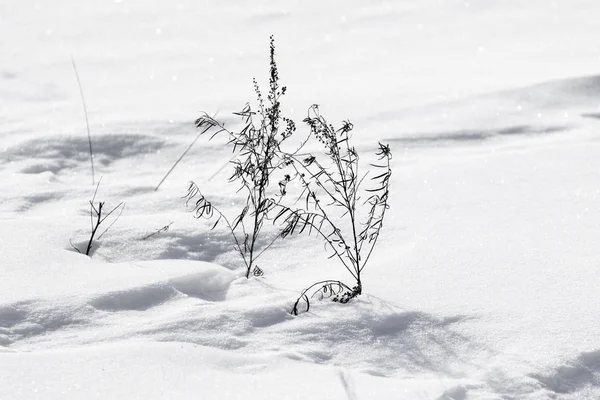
column 97, row 216
column 336, row 219
column 332, row 206
column 257, row 147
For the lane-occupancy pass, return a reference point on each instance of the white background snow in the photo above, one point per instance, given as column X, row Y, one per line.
column 484, row 284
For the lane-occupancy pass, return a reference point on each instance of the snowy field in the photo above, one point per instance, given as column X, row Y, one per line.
column 485, row 282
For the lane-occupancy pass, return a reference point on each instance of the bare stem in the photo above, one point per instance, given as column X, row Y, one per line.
column 87, row 123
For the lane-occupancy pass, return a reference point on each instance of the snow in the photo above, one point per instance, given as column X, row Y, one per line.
column 483, row 284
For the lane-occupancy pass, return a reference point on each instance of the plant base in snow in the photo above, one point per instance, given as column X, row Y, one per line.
column 336, row 291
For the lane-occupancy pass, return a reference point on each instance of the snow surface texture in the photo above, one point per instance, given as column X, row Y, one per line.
column 485, row 281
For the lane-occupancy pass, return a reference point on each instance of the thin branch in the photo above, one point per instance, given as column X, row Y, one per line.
column 122, row 205
column 163, row 229
column 267, row 247
column 183, row 155
column 87, row 123
column 73, row 246
column 95, row 228
column 92, row 204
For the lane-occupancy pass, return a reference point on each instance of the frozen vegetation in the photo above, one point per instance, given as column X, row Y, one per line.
column 484, row 282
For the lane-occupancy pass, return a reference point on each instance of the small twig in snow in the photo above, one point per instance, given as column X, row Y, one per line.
column 163, row 229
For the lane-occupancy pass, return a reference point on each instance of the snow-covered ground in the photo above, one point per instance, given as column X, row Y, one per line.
column 484, row 284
